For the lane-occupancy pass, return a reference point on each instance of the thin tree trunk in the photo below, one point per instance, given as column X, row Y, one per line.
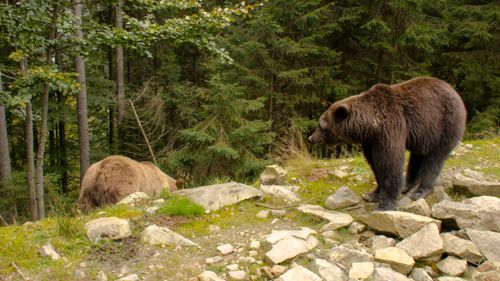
column 111, row 77
column 81, row 98
column 271, row 89
column 119, row 66
column 30, row 173
column 143, row 61
column 43, row 127
column 63, row 161
column 380, row 62
column 5, row 168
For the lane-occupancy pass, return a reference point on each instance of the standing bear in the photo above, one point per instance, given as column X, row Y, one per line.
column 424, row 115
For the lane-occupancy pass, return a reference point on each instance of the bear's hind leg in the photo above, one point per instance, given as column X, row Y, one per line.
column 412, row 173
column 428, row 172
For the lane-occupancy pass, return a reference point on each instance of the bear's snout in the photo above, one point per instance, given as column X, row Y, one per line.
column 316, row 137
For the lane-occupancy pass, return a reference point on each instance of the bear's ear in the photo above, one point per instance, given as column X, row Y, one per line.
column 342, row 111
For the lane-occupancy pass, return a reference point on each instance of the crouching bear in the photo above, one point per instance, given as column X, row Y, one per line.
column 113, row 178
column 424, row 115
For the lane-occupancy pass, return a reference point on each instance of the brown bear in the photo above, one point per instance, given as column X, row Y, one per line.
column 424, row 115
column 113, row 178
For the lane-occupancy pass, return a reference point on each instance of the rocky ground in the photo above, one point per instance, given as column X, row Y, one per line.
column 298, row 226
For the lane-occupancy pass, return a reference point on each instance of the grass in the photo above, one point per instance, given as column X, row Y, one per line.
column 178, row 206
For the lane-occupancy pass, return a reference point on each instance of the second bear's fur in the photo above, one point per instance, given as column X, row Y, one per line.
column 424, row 115
column 113, row 178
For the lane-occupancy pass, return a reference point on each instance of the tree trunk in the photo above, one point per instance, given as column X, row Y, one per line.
column 43, row 127
column 119, row 66
column 380, row 62
column 30, row 173
column 270, row 112
column 63, row 161
column 5, row 169
column 81, row 98
column 111, row 77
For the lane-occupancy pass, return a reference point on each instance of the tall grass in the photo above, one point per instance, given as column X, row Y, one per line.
column 293, row 146
column 178, row 206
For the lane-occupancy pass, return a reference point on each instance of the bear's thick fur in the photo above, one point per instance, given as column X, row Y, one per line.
column 424, row 115
column 113, row 178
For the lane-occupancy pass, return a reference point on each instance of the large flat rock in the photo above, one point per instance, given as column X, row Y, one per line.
column 398, row 223
column 399, row 260
column 213, row 197
column 278, row 190
column 299, row 273
column 480, row 213
column 347, row 257
column 328, row 270
column 111, row 227
column 337, row 219
column 387, row 274
column 344, row 197
column 155, row 235
column 286, row 244
column 470, row 186
column 424, row 243
column 461, row 248
column 488, row 242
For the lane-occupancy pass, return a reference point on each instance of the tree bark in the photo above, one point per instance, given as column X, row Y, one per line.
column 380, row 62
column 111, row 77
column 81, row 98
column 63, row 161
column 30, row 171
column 5, row 168
column 43, row 127
column 120, row 96
column 271, row 89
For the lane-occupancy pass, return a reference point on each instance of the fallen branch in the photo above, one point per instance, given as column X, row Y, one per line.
column 352, row 208
column 142, row 130
column 275, row 208
column 4, row 222
column 18, row 271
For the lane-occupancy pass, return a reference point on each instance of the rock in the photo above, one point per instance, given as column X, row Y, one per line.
column 380, row 242
column 469, row 186
column 337, row 219
column 82, row 264
column 398, row 223
column 225, row 249
column 159, row 201
column 479, row 176
column 213, row 197
column 432, row 259
column 418, row 207
column 209, row 276
column 399, row 260
column 487, row 242
column 298, row 273
column 255, row 245
column 346, row 256
column 278, row 270
column 344, row 197
column 112, row 227
column 49, row 250
column 461, row 248
column 361, row 270
column 79, row 274
column 328, row 270
column 480, row 213
column 263, row 214
column 155, row 235
column 281, row 191
column 419, row 274
column 273, row 174
column 124, row 270
column 441, row 195
column 133, row 198
column 452, row 266
column 237, row 275
column 387, row 274
column 488, row 271
column 448, row 278
column 214, row 228
column 405, row 200
column 430, row 271
column 424, row 243
column 101, row 276
column 132, row 277
column 152, row 210
column 286, row 244
column 278, row 213
column 338, row 173
column 356, row 227
column 213, row 260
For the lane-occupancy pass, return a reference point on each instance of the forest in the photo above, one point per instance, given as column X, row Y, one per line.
column 219, row 88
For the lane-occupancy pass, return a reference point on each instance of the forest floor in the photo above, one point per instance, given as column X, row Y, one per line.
column 237, row 225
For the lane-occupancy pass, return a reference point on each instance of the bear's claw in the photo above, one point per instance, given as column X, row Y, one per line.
column 371, row 197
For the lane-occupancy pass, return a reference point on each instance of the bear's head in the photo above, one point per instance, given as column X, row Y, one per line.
column 332, row 126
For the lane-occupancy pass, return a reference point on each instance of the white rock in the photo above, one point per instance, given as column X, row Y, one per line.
column 469, row 186
column 255, row 245
column 278, row 270
column 419, row 207
column 79, row 274
column 479, row 176
column 337, row 218
column 131, row 199
column 344, row 197
column 452, row 266
column 361, row 270
column 356, row 227
column 328, row 270
column 214, row 228
column 152, row 210
column 112, row 227
column 397, row 258
column 225, row 249
column 237, row 275
column 209, row 276
column 155, row 235
column 419, row 274
column 339, row 174
column 380, row 242
column 132, row 277
column 488, row 242
column 263, row 214
column 290, row 247
column 402, row 224
column 273, row 174
column 346, row 257
column 299, row 273
column 159, row 201
column 278, row 213
column 424, row 243
column 232, row 267
column 281, row 191
column 387, row 274
column 49, row 250
column 212, row 260
column 461, row 248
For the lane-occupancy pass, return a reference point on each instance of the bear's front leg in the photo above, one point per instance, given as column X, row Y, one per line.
column 387, row 162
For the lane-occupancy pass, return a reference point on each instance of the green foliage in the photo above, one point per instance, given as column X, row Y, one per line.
column 177, row 206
